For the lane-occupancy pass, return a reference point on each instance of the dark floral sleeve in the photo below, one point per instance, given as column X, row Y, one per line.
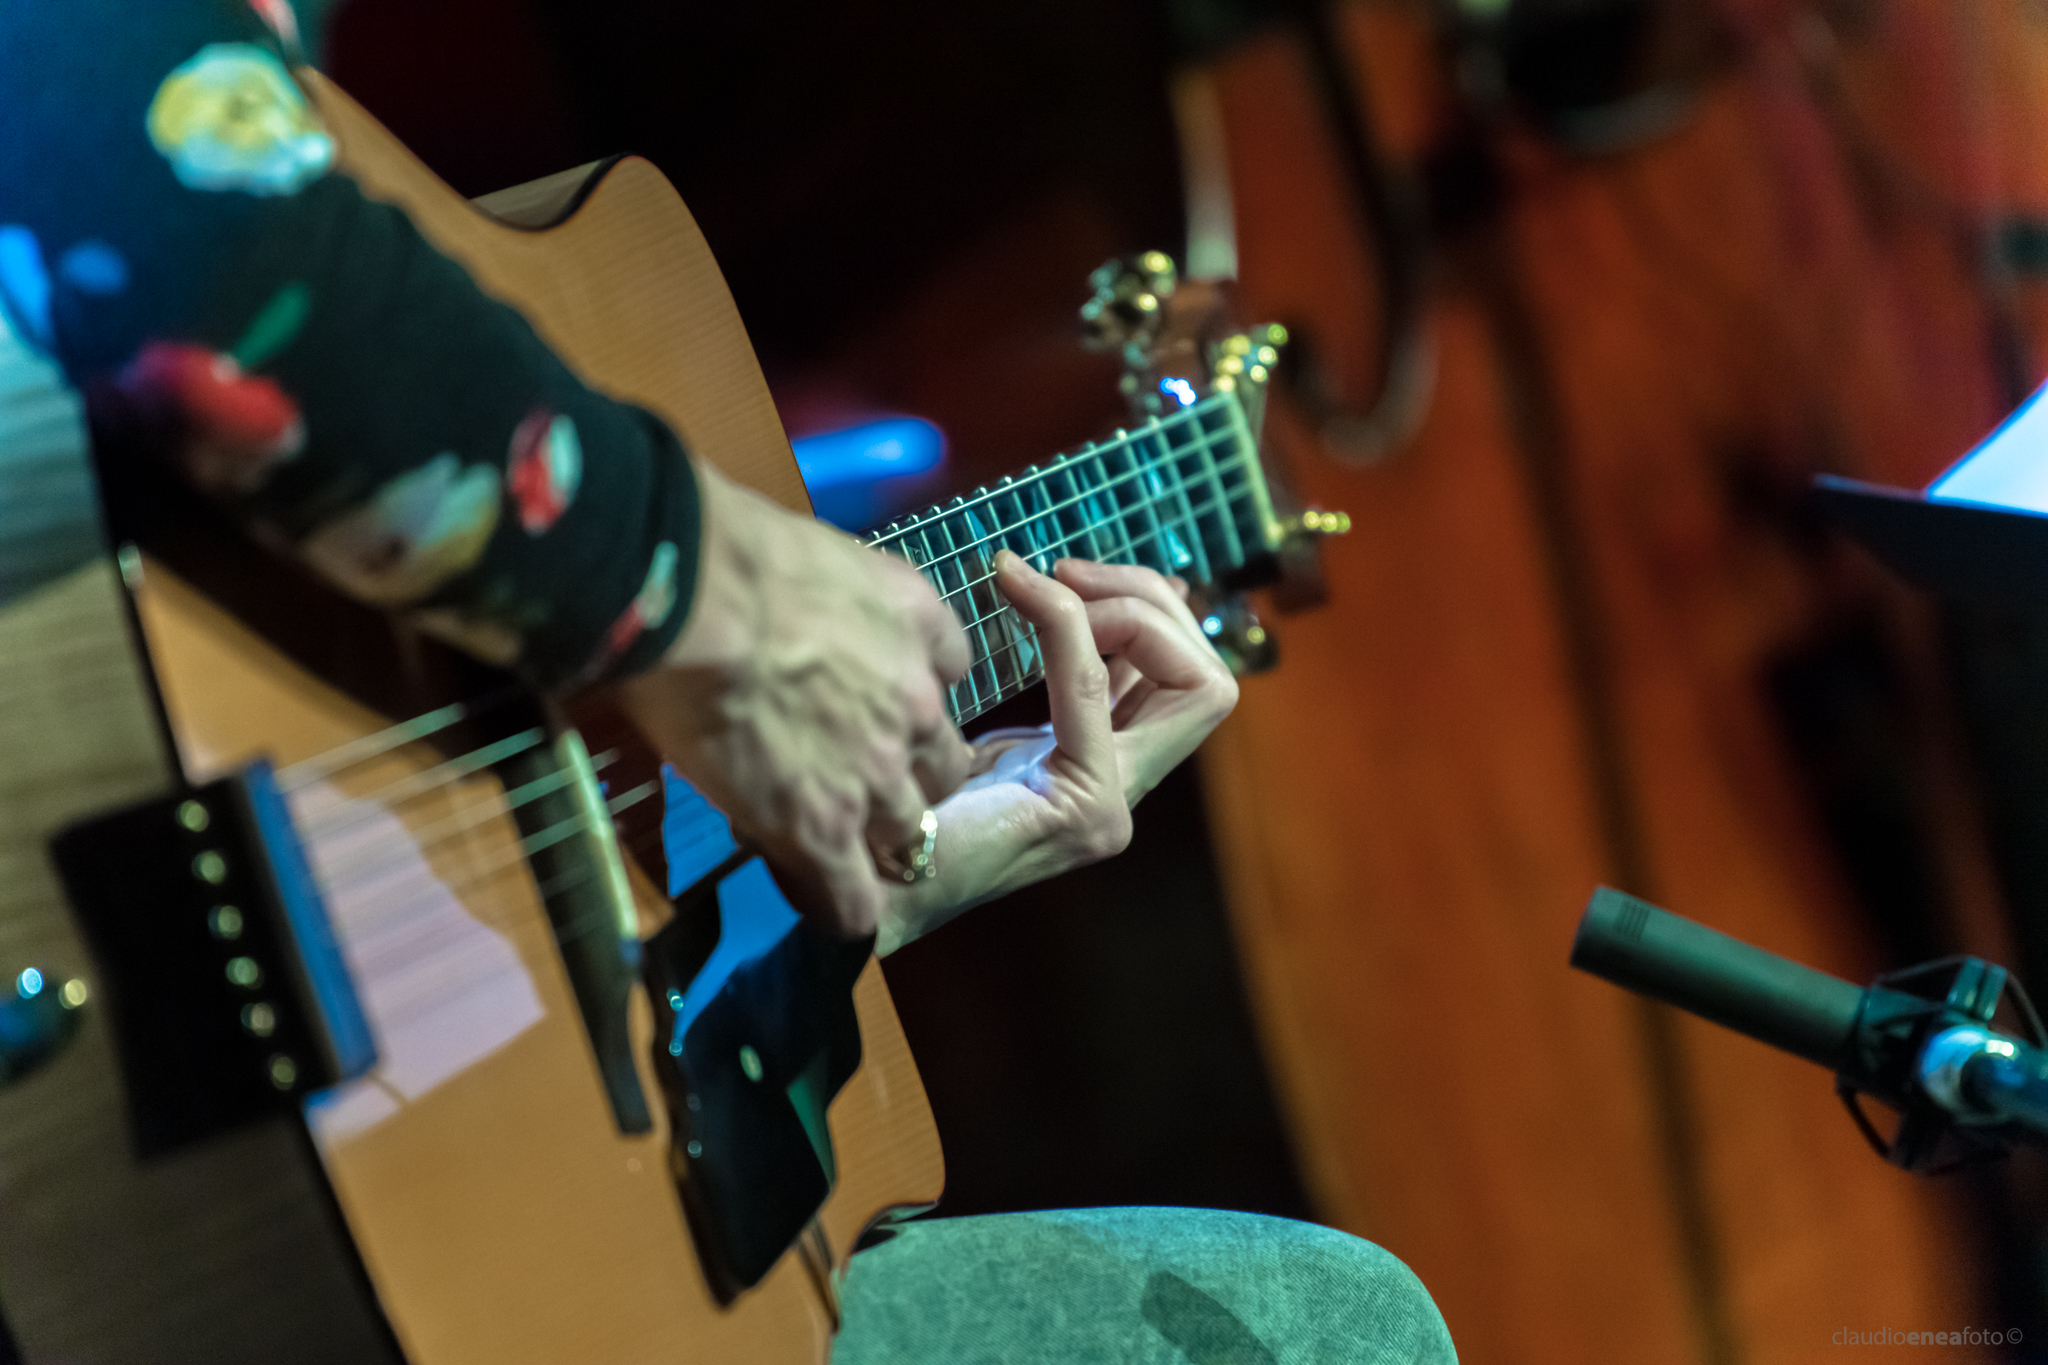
column 173, row 232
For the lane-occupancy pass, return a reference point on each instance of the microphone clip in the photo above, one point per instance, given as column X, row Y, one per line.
column 1892, row 1057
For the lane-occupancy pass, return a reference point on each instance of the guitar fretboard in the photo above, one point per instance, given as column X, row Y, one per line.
column 1182, row 494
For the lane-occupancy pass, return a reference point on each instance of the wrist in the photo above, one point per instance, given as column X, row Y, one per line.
column 725, row 623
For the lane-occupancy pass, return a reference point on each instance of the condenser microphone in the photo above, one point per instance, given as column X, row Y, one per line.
column 1920, row 1041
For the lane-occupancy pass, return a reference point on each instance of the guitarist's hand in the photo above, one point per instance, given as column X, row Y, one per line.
column 806, row 698
column 1043, row 801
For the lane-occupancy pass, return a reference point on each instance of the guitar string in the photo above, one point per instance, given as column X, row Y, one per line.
column 1177, row 525
column 1170, row 522
column 415, row 785
column 369, row 746
column 1235, row 462
column 464, row 765
column 1025, row 634
column 368, row 863
column 1191, row 417
column 470, row 872
column 453, row 770
column 1129, row 546
column 383, row 741
column 476, row 813
column 536, row 842
column 1025, row 676
column 1088, row 491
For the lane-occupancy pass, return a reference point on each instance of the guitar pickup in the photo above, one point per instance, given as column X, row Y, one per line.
column 227, row 990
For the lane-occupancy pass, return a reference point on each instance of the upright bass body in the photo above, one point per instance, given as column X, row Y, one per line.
column 1719, row 313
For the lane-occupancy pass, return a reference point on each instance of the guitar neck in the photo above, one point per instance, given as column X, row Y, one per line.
column 1183, row 494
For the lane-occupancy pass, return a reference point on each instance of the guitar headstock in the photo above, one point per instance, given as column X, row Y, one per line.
column 1179, row 340
column 1129, row 307
column 1180, row 343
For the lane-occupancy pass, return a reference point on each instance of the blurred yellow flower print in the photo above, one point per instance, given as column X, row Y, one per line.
column 231, row 118
column 416, row 532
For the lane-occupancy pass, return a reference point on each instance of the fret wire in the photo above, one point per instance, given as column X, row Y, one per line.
column 1032, row 499
column 1100, row 504
column 1201, row 539
column 991, row 599
column 1038, row 513
column 882, row 543
column 924, row 534
column 1090, row 527
column 971, row 682
column 935, row 565
column 1147, row 510
column 1214, row 471
column 1025, row 629
column 947, row 596
column 1265, row 528
column 1065, row 462
column 1038, row 535
column 1027, row 635
column 1215, row 477
column 1084, row 504
column 1085, row 500
column 1141, row 508
column 1037, row 669
column 1026, row 676
column 988, row 616
column 1121, row 552
column 1020, row 635
column 968, row 624
column 938, row 562
column 960, row 525
column 1061, row 506
column 1185, row 417
column 1198, row 549
column 1109, row 484
column 995, row 528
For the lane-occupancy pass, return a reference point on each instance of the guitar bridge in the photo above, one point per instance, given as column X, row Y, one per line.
column 227, row 990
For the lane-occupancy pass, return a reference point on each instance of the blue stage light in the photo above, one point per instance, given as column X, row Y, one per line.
column 881, row 449
column 849, row 471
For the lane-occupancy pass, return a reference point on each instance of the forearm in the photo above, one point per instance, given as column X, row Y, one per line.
column 235, row 306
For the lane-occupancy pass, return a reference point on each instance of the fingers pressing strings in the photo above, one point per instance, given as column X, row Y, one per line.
column 1077, row 680
column 1137, row 631
column 1099, row 582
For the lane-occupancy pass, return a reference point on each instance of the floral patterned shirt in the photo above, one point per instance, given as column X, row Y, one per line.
column 175, row 235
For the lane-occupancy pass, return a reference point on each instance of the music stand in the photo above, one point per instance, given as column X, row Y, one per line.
column 1979, row 532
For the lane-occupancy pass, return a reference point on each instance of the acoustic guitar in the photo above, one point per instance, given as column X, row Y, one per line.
column 334, row 1039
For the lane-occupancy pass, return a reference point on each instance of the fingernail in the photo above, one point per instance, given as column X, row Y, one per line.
column 1015, row 561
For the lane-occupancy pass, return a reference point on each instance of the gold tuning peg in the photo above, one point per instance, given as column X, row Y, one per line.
column 1316, row 522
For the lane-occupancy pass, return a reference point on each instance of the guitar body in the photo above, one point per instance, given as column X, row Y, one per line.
column 493, row 1211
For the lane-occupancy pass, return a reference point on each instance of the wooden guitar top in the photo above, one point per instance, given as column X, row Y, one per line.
column 501, row 1215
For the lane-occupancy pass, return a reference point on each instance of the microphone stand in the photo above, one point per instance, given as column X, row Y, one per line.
column 1921, row 1041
